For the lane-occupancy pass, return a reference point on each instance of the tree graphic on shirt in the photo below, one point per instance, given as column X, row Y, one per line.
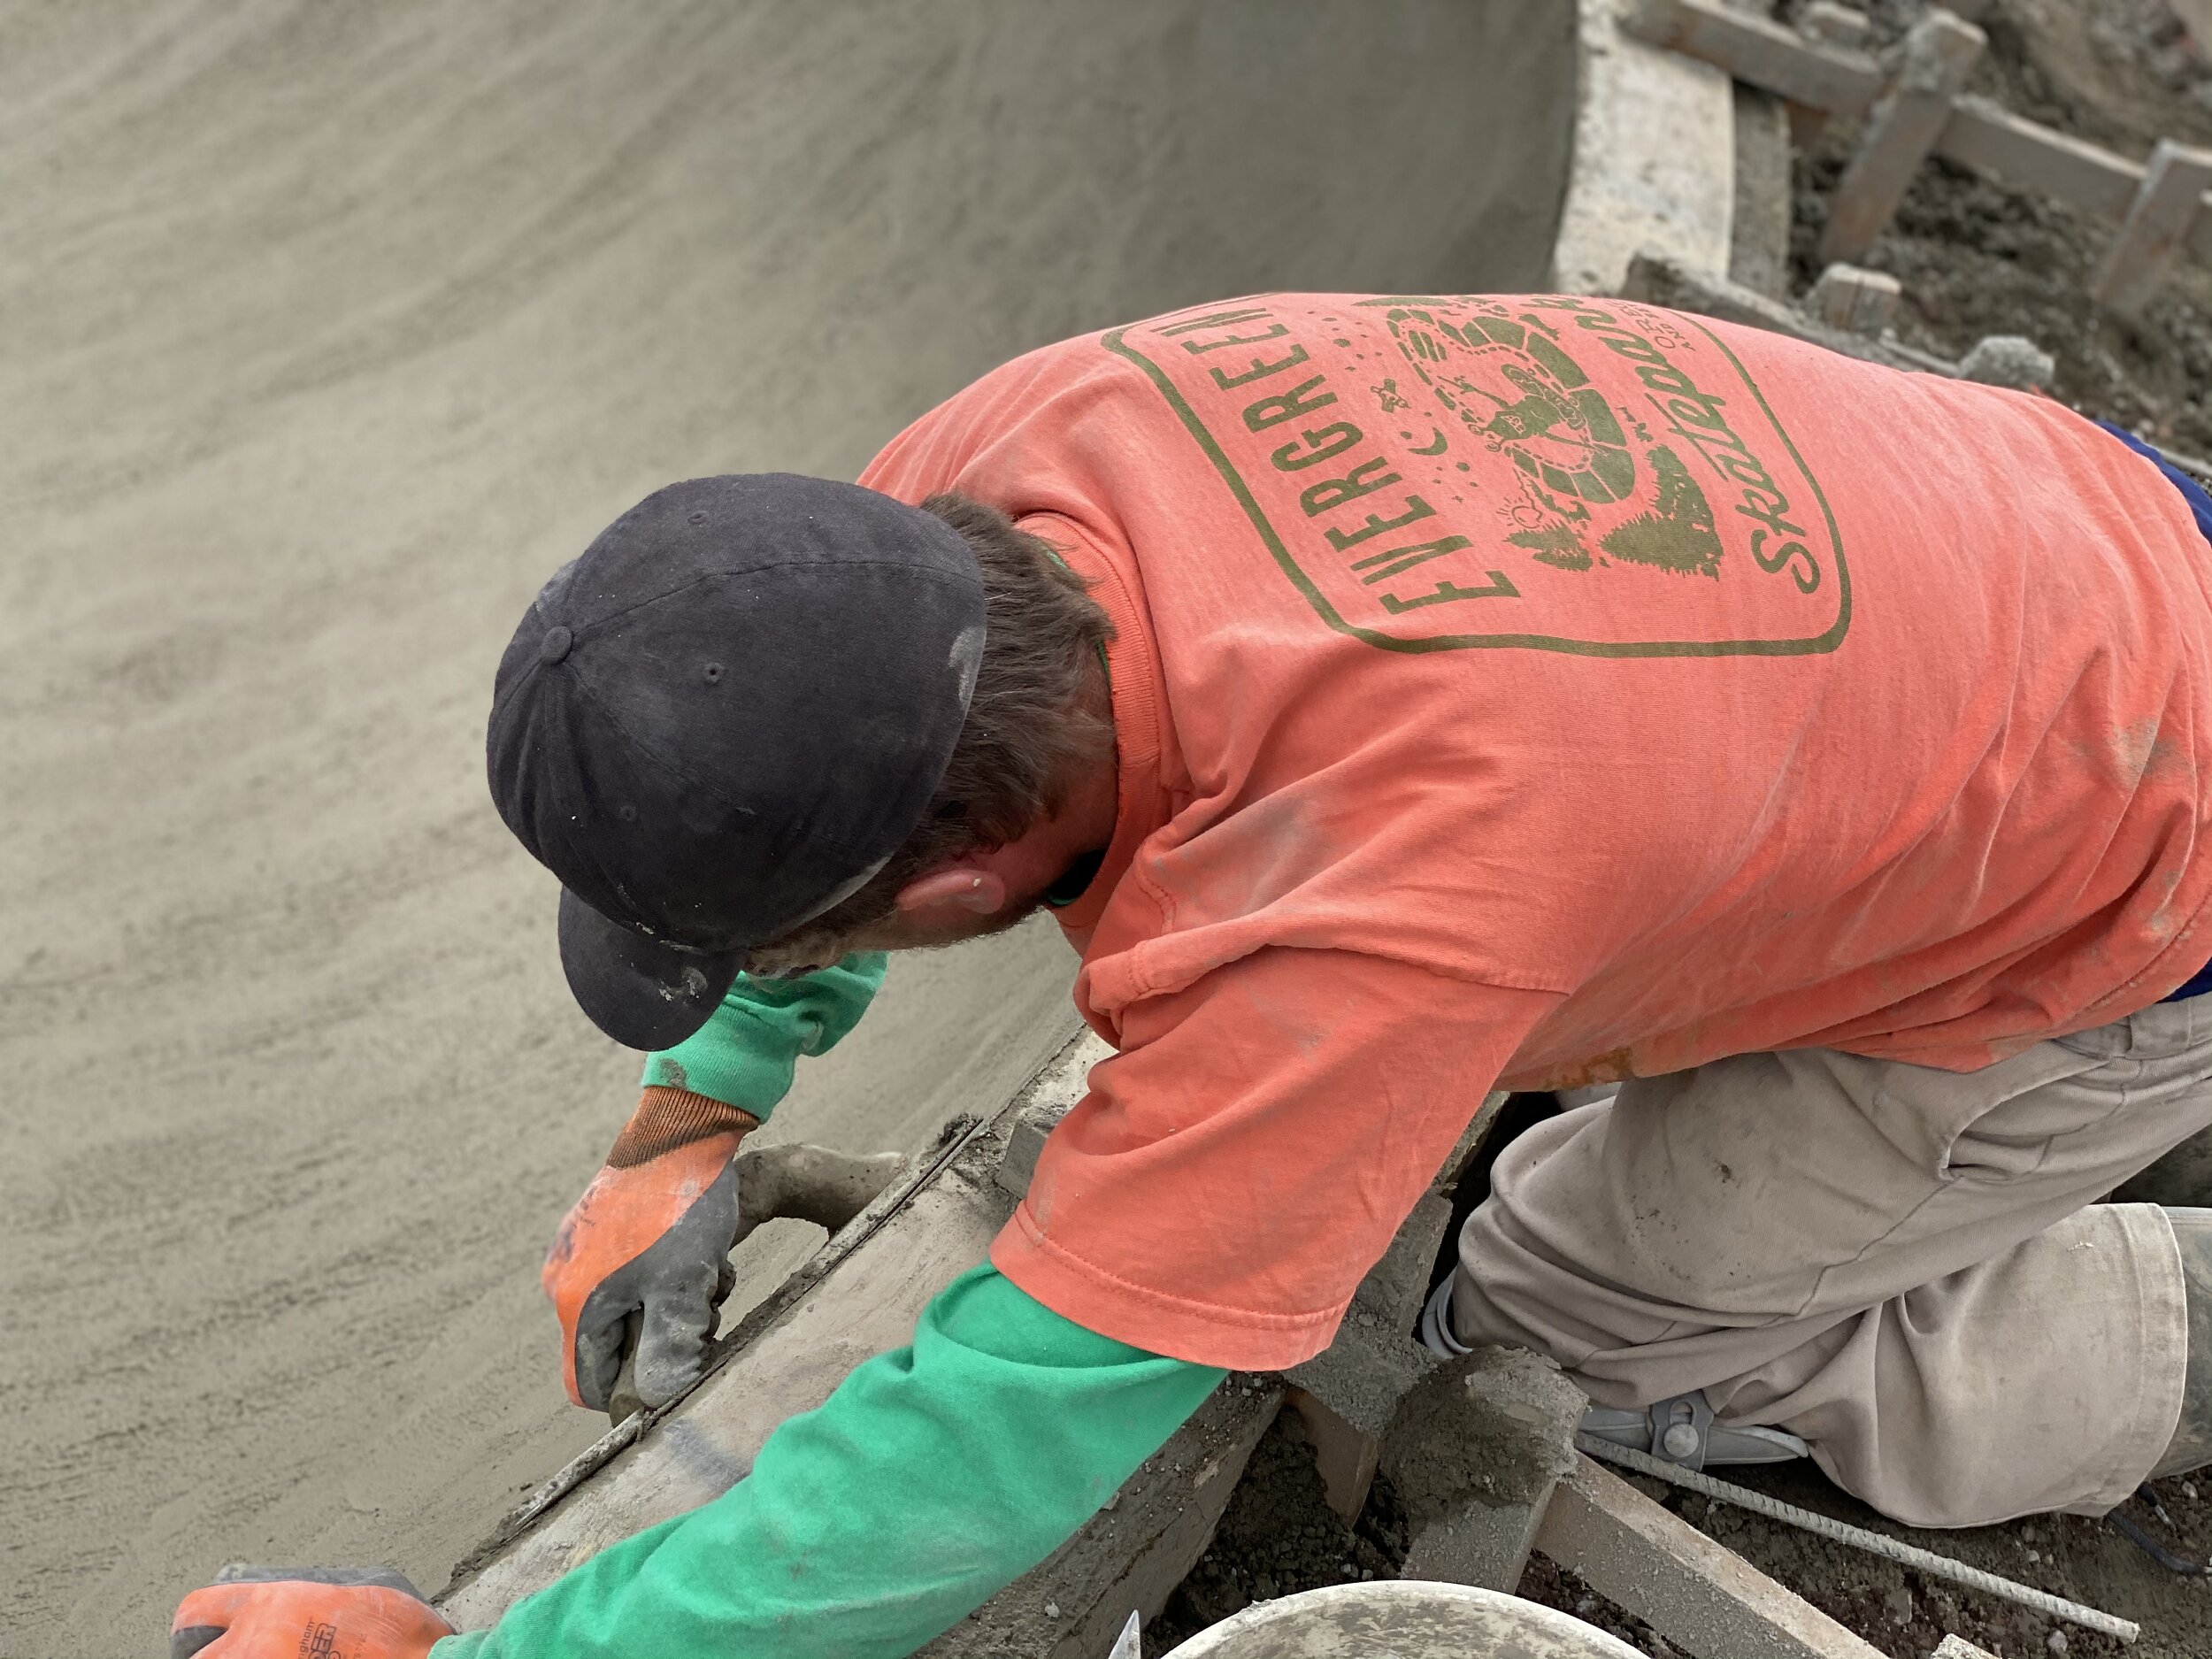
column 1554, row 544
column 1677, row 534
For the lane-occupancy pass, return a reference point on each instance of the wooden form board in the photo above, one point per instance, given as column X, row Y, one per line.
column 1701, row 1595
column 1839, row 80
column 1984, row 135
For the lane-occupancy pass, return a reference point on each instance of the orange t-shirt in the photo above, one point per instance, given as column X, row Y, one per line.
column 1547, row 690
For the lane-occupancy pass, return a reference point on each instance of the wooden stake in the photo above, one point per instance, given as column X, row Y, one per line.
column 1858, row 301
column 1346, row 1457
column 1940, row 53
column 2158, row 224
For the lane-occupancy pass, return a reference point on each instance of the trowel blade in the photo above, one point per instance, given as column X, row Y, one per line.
column 1127, row 1645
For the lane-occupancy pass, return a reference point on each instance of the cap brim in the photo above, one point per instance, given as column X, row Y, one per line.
column 643, row 995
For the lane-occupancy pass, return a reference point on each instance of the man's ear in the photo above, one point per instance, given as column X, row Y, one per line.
column 961, row 888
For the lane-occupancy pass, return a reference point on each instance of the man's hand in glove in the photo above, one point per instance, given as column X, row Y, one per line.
column 282, row 1612
column 650, row 1237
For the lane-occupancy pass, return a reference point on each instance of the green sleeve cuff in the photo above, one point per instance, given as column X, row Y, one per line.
column 745, row 1054
column 932, row 1477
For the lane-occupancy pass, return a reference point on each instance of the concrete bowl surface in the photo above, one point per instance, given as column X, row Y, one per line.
column 332, row 331
column 1403, row 1619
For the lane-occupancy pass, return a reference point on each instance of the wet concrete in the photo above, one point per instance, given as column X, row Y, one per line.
column 331, row 331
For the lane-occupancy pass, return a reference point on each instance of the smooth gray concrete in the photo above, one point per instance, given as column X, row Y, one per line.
column 330, row 331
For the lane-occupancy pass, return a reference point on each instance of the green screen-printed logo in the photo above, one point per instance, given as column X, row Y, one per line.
column 1454, row 473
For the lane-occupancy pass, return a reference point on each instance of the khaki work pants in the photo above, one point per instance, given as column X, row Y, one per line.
column 1907, row 1268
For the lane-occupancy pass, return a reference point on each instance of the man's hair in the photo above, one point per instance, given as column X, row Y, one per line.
column 1029, row 729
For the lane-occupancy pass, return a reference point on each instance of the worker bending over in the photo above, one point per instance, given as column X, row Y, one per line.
column 1394, row 699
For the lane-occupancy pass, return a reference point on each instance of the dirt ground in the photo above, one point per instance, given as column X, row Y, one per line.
column 1905, row 1613
column 1279, row 1536
column 331, row 332
column 1977, row 258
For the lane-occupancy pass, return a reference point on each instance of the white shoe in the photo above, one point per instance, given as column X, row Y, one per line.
column 1436, row 1325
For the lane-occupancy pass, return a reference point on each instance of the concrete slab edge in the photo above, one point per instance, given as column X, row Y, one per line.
column 1654, row 166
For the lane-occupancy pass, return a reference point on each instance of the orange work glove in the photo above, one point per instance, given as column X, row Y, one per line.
column 649, row 1238
column 283, row 1612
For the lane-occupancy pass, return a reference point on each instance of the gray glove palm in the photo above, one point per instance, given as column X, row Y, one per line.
column 641, row 1266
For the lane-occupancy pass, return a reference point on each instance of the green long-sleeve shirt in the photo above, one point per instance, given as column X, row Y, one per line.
column 745, row 1055
column 934, row 1475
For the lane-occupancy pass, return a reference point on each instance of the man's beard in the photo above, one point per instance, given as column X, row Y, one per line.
column 819, row 948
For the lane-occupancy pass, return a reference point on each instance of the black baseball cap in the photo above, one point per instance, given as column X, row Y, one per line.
column 721, row 720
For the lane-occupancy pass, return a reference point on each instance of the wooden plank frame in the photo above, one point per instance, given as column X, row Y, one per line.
column 1819, row 79
column 1701, row 1595
column 1987, row 136
column 1838, row 80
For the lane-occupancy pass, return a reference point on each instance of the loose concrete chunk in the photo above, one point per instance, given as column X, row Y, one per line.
column 1474, row 1453
column 1857, row 301
column 1940, row 52
column 1701, row 1595
column 1375, row 1358
column 2010, row 360
column 1958, row 1647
